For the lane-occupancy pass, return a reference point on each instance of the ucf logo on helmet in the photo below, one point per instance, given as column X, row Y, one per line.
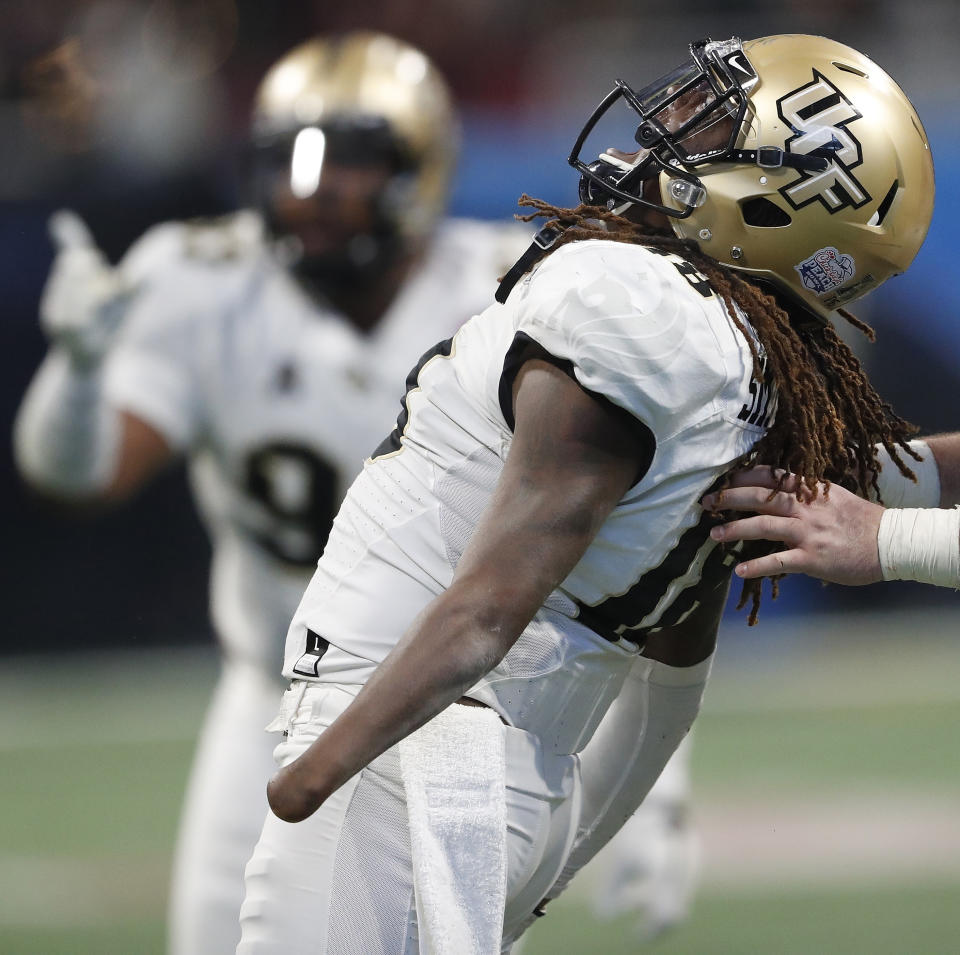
column 819, row 115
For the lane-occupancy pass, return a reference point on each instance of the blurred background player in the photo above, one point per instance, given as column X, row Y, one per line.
column 269, row 348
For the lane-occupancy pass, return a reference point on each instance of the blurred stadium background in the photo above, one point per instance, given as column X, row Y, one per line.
column 827, row 777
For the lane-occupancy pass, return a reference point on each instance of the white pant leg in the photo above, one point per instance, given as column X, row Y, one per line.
column 624, row 758
column 341, row 881
column 650, row 868
column 543, row 808
column 223, row 813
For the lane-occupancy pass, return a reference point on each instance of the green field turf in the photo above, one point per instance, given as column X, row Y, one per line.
column 93, row 758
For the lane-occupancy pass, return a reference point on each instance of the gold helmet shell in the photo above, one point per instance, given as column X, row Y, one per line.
column 824, row 237
column 368, row 76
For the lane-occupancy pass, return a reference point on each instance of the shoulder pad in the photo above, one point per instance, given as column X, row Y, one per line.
column 217, row 241
column 633, row 325
column 222, row 239
column 497, row 243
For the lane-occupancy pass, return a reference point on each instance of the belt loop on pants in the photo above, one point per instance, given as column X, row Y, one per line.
column 289, row 704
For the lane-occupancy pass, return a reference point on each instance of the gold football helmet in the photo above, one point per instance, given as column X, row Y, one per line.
column 350, row 96
column 793, row 159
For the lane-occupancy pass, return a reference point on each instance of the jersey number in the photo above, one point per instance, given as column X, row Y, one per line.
column 299, row 490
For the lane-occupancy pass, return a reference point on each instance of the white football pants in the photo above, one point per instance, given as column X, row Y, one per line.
column 650, row 868
column 341, row 881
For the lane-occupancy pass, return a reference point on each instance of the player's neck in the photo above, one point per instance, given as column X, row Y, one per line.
column 364, row 304
column 644, row 215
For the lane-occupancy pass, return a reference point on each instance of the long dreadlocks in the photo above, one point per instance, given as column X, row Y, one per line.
column 829, row 418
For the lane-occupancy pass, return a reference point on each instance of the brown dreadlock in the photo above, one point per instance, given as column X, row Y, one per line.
column 829, row 418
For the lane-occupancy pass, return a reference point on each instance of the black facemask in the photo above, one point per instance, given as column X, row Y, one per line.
column 347, row 141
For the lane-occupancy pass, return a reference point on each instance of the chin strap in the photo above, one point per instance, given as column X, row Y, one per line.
column 773, row 157
column 542, row 243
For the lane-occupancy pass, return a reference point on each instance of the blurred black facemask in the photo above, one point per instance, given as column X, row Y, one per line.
column 350, row 141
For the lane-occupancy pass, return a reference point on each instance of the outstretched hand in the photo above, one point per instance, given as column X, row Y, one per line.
column 85, row 299
column 831, row 536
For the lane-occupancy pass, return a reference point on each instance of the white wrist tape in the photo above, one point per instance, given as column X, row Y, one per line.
column 66, row 436
column 920, row 544
column 899, row 491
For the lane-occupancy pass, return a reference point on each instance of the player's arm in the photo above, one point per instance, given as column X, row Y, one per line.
column 571, row 461
column 70, row 444
column 142, row 453
column 69, row 441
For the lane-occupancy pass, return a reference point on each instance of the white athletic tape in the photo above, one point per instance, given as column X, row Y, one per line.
column 920, row 544
column 66, row 437
column 454, row 771
column 899, row 491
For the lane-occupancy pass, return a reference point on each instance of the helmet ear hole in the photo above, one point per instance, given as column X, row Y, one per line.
column 847, row 68
column 885, row 204
column 763, row 213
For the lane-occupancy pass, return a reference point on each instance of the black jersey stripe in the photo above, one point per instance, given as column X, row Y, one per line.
column 391, row 442
column 621, row 615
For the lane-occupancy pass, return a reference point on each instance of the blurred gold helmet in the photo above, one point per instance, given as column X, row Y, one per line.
column 793, row 159
column 355, row 94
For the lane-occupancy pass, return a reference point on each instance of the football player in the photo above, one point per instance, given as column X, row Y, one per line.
column 265, row 348
column 512, row 624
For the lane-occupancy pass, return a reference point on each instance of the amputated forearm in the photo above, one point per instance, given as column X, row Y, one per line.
column 443, row 654
column 436, row 662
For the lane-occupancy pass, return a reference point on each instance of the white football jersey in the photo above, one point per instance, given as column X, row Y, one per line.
column 277, row 400
column 641, row 329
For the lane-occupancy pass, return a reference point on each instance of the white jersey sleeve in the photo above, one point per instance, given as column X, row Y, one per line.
column 182, row 276
column 624, row 322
